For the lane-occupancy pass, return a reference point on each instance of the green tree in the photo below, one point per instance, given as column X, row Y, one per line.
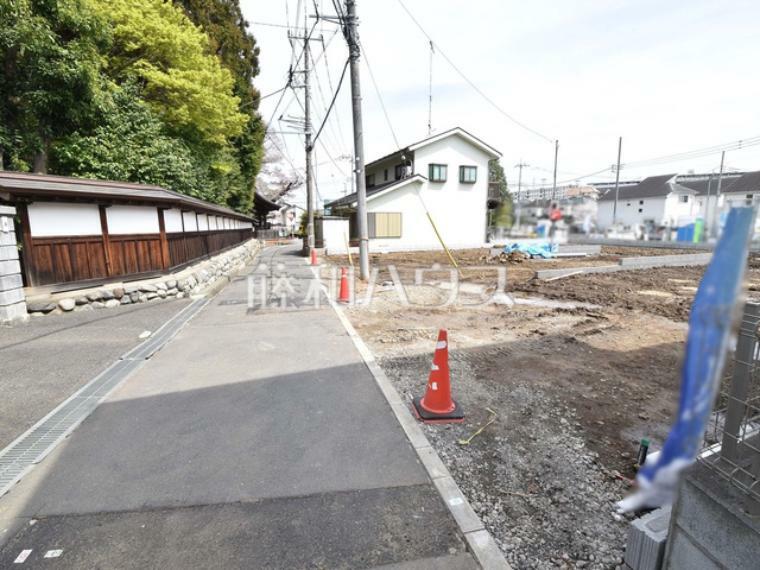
column 503, row 217
column 236, row 47
column 156, row 44
column 49, row 85
column 132, row 144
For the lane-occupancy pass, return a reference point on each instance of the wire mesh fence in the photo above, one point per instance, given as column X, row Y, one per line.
column 732, row 441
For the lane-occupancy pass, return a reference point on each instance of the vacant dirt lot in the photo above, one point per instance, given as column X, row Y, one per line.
column 577, row 371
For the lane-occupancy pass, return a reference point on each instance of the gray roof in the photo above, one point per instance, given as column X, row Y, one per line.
column 651, row 187
column 701, row 182
column 749, row 182
column 22, row 184
column 349, row 199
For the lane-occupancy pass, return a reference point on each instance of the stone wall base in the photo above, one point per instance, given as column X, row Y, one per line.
column 189, row 282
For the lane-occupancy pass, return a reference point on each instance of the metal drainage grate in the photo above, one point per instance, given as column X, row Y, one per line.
column 34, row 445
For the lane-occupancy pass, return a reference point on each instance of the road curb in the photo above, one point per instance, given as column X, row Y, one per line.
column 479, row 540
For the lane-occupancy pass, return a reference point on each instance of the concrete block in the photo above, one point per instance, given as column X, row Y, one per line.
column 667, row 260
column 550, row 273
column 587, row 249
column 11, row 297
column 646, row 540
column 8, row 282
column 10, row 267
column 13, row 313
column 486, row 551
column 685, row 554
column 461, row 510
column 710, row 514
column 433, row 464
column 8, row 252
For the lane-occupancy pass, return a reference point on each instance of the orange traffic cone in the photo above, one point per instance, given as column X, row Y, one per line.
column 314, row 260
column 344, row 296
column 437, row 406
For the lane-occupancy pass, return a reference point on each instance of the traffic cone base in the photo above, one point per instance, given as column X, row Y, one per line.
column 314, row 260
column 454, row 416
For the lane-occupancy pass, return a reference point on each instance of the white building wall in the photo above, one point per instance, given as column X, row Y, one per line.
column 628, row 211
column 202, row 222
column 48, row 219
column 132, row 220
column 335, row 235
column 173, row 220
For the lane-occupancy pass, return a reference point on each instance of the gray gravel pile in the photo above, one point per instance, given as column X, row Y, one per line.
column 541, row 493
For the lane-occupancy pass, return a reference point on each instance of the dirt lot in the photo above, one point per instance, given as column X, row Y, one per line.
column 574, row 388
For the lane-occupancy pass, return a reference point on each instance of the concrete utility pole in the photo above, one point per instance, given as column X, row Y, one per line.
column 520, row 165
column 352, row 36
column 307, row 113
column 720, row 182
column 617, row 182
column 554, row 184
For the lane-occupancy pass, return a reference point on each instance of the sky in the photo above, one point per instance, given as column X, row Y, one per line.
column 669, row 76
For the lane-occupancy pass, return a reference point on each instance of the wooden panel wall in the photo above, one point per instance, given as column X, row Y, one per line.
column 65, row 259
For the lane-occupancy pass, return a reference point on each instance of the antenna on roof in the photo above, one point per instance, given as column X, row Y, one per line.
column 430, row 92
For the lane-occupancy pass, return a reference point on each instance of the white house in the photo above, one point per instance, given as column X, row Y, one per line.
column 439, row 183
column 657, row 200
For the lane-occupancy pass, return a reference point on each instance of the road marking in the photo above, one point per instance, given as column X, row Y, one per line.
column 456, row 501
column 21, row 558
column 53, row 553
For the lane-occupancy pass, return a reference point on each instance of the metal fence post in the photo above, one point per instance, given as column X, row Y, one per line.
column 746, row 345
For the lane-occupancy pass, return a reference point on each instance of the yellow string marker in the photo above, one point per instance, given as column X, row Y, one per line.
column 491, row 420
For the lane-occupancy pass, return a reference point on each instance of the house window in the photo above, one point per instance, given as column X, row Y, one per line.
column 437, row 172
column 468, row 174
column 748, row 199
column 400, row 171
column 641, row 210
column 641, row 202
column 385, row 175
column 384, row 224
column 684, row 199
column 370, row 180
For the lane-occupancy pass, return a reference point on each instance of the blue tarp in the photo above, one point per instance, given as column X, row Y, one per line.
column 543, row 249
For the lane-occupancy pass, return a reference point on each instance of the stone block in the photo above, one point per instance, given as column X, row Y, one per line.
column 8, row 252
column 13, row 313
column 10, row 267
column 8, row 282
column 67, row 304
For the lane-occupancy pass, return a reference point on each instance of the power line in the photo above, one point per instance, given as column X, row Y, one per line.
column 332, row 103
column 379, row 96
column 470, row 82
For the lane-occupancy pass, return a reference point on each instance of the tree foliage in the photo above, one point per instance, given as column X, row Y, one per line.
column 50, row 53
column 503, row 217
column 155, row 43
column 139, row 90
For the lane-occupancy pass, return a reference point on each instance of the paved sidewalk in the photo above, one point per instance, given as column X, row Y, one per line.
column 255, row 439
column 48, row 358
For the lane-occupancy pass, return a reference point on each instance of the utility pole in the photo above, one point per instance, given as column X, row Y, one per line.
column 309, row 147
column 430, row 92
column 617, row 182
column 307, row 113
column 554, row 185
column 720, row 181
column 708, row 222
column 352, row 37
column 520, row 165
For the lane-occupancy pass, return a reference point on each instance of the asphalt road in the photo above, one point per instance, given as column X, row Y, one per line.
column 47, row 359
column 254, row 439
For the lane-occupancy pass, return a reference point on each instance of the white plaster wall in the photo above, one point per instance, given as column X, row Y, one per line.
column 173, row 220
column 190, row 223
column 335, row 233
column 678, row 213
column 212, row 222
column 131, row 220
column 202, row 222
column 47, row 219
